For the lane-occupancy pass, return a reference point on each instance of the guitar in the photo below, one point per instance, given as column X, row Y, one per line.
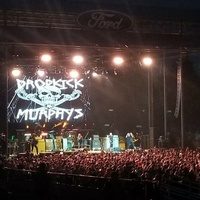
column 135, row 140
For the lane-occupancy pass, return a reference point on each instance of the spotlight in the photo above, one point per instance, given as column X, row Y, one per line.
column 94, row 74
column 78, row 59
column 16, row 72
column 45, row 58
column 41, row 72
column 57, row 71
column 87, row 72
column 147, row 61
column 118, row 60
column 74, row 74
column 65, row 124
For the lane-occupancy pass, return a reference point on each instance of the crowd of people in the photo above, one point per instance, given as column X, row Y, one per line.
column 153, row 164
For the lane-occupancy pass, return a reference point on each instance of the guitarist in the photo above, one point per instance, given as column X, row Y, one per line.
column 111, row 140
column 130, row 139
column 80, row 140
column 33, row 142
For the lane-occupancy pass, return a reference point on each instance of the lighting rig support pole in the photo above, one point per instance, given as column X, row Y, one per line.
column 149, row 101
column 150, row 107
column 7, row 127
column 181, row 98
column 164, row 93
column 6, row 79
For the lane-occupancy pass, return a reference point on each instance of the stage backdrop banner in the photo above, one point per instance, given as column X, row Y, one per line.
column 50, row 99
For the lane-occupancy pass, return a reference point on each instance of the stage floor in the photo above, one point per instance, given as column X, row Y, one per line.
column 119, row 150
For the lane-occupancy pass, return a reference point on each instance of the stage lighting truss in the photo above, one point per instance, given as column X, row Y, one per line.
column 91, row 64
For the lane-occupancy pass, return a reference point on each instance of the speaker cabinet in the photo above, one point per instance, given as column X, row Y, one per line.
column 96, row 146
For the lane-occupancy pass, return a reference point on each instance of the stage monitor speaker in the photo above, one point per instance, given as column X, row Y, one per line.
column 115, row 141
column 145, row 142
column 20, row 135
column 65, row 146
column 58, row 144
column 95, row 137
column 96, row 145
column 49, row 145
column 106, row 143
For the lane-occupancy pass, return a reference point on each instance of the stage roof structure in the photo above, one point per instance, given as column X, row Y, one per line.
column 67, row 23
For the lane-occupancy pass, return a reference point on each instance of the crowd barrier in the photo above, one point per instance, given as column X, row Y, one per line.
column 20, row 184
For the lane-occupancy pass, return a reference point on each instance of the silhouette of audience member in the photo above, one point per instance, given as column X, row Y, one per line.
column 42, row 182
column 3, row 189
column 113, row 187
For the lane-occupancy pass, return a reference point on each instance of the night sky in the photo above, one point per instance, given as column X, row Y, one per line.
column 183, row 4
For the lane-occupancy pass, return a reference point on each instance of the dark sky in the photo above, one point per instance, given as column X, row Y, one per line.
column 179, row 4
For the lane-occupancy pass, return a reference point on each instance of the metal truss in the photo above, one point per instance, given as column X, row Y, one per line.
column 65, row 21
column 153, row 32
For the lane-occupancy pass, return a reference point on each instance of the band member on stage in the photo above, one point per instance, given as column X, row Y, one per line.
column 33, row 142
column 69, row 142
column 111, row 140
column 130, row 141
column 80, row 140
column 138, row 139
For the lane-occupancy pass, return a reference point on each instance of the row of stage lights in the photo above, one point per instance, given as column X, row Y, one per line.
column 78, row 60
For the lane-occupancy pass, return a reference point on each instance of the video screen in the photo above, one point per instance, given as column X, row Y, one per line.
column 33, row 99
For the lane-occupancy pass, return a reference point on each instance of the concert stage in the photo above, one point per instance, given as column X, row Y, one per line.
column 60, row 144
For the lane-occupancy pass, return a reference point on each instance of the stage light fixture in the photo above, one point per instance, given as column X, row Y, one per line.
column 147, row 61
column 65, row 124
column 16, row 72
column 57, row 71
column 46, row 58
column 118, row 60
column 94, row 74
column 78, row 59
column 115, row 72
column 74, row 73
column 87, row 72
column 41, row 72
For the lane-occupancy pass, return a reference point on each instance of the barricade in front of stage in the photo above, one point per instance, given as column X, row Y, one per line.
column 20, row 184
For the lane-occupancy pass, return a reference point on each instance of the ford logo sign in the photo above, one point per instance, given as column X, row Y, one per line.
column 105, row 20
